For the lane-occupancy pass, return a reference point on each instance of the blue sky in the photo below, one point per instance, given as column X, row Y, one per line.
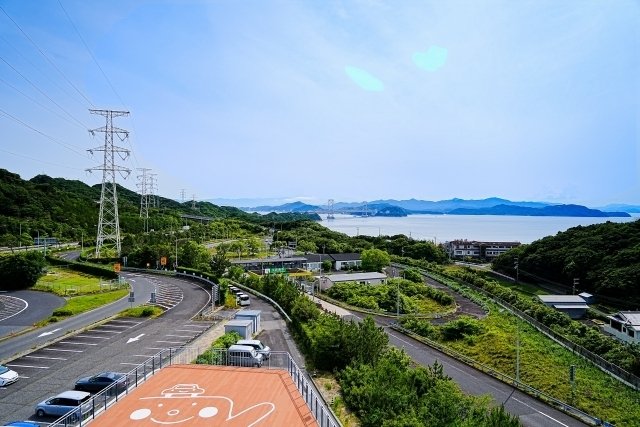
column 350, row 100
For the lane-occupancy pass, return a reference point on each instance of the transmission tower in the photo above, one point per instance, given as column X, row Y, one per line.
column 143, row 185
column 108, row 222
column 183, row 193
column 152, row 190
column 330, row 209
column 193, row 202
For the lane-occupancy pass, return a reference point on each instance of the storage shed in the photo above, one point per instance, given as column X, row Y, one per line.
column 253, row 315
column 243, row 327
column 573, row 305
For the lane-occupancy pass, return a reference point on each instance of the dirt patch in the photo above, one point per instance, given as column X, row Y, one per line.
column 466, row 307
column 330, row 390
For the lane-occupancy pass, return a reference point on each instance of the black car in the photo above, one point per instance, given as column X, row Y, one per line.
column 101, row 381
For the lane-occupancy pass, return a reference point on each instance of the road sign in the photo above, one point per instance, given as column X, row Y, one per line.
column 116, row 267
column 163, row 261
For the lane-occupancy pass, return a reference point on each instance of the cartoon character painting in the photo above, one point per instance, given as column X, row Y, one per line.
column 186, row 405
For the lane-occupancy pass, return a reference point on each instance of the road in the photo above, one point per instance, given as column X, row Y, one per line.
column 71, row 350
column 530, row 411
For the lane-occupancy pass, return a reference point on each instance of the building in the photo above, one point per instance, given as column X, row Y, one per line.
column 572, row 305
column 625, row 325
column 373, row 278
column 346, row 261
column 476, row 249
column 271, row 265
column 314, row 261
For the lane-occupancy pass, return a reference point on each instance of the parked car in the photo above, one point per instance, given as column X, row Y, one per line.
column 101, row 381
column 65, row 402
column 7, row 376
column 243, row 355
column 21, row 424
column 262, row 349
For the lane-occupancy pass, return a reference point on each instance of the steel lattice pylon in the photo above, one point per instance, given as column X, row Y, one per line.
column 108, row 223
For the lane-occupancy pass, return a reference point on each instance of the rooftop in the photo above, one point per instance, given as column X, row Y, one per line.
column 202, row 395
column 355, row 277
column 561, row 299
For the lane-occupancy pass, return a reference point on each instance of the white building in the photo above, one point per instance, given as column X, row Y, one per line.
column 625, row 325
column 573, row 305
column 373, row 278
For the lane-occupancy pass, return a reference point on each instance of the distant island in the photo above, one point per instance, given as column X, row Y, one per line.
column 401, row 208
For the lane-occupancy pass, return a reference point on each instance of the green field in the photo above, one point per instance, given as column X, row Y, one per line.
column 65, row 283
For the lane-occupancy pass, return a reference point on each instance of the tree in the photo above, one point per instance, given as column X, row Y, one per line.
column 219, row 264
column 194, row 255
column 21, row 271
column 375, row 259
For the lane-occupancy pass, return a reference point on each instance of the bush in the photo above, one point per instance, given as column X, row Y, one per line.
column 462, row 327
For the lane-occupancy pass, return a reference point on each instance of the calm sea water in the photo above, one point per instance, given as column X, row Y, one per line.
column 441, row 228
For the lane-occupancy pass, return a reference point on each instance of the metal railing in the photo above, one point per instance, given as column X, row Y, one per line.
column 563, row 406
column 205, row 355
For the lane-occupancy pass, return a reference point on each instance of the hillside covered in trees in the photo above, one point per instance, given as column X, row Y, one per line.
column 67, row 209
column 604, row 257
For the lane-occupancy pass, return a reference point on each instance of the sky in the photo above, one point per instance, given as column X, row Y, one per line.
column 317, row 100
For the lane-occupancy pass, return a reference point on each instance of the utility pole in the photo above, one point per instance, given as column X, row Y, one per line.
column 576, row 283
column 144, row 197
column 516, row 264
column 108, row 222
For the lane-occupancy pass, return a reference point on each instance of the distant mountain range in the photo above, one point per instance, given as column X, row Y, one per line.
column 490, row 206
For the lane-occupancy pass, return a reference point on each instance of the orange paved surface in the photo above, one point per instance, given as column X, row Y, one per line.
column 200, row 395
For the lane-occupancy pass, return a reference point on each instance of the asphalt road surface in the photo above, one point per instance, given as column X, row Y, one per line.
column 73, row 350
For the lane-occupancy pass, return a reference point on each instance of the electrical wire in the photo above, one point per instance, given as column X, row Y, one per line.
column 57, row 141
column 46, row 75
column 43, row 94
column 47, row 58
column 91, row 54
column 38, row 160
column 35, row 101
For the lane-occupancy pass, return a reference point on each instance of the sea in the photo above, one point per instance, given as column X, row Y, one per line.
column 443, row 228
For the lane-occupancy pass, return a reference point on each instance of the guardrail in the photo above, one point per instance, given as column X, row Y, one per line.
column 610, row 368
column 103, row 400
column 563, row 406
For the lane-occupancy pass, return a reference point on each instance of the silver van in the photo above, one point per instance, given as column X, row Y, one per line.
column 244, row 355
column 262, row 349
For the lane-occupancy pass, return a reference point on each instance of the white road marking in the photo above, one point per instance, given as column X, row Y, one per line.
column 44, row 334
column 143, row 355
column 93, row 337
column 131, row 364
column 130, row 340
column 77, row 343
column 181, row 336
column 61, row 349
column 44, row 357
column 531, row 407
column 26, row 366
column 172, row 342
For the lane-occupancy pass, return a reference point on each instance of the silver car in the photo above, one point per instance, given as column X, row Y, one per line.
column 64, row 403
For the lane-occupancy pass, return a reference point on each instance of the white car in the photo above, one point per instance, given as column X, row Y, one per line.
column 7, row 376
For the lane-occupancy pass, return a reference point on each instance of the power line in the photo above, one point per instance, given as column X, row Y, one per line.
column 57, row 141
column 46, row 57
column 46, row 75
column 38, row 160
column 91, row 54
column 35, row 101
column 38, row 89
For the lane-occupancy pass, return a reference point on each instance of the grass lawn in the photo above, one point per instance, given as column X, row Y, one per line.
column 65, row 282
column 83, row 292
column 545, row 365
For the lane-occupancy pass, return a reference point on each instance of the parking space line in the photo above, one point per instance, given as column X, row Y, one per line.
column 143, row 355
column 109, row 325
column 44, row 357
column 156, row 348
column 106, row 332
column 92, row 337
column 61, row 349
column 26, row 366
column 77, row 343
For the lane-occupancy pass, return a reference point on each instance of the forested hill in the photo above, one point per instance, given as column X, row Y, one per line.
column 61, row 208
column 604, row 257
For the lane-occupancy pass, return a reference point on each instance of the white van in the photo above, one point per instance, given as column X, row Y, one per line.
column 262, row 349
column 243, row 300
column 243, row 355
